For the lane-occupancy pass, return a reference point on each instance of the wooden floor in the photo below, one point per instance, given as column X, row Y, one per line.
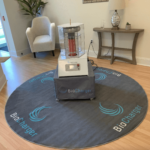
column 18, row 70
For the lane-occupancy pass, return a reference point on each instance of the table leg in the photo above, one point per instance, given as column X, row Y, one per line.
column 100, row 44
column 113, row 45
column 134, row 48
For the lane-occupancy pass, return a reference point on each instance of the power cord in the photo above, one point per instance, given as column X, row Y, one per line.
column 92, row 61
column 107, row 52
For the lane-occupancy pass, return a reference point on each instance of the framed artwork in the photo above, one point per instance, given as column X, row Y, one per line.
column 94, row 1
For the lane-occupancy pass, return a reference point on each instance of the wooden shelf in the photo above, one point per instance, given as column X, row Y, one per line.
column 113, row 48
column 118, row 31
column 117, row 48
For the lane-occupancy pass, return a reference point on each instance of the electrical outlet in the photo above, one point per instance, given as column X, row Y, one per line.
column 91, row 41
column 21, row 53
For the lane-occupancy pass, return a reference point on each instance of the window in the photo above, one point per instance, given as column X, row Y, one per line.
column 94, row 1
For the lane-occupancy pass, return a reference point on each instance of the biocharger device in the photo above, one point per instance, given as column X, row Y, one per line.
column 74, row 77
column 72, row 60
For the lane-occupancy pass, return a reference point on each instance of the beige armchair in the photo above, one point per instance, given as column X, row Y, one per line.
column 41, row 36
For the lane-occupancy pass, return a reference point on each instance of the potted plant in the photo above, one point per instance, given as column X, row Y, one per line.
column 128, row 26
column 32, row 7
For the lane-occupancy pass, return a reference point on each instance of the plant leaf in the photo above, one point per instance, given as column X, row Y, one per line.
column 26, row 14
column 31, row 7
column 26, row 3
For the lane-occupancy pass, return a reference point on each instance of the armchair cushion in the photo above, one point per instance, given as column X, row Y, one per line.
column 42, row 43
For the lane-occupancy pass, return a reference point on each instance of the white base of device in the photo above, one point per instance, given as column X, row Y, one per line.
column 72, row 66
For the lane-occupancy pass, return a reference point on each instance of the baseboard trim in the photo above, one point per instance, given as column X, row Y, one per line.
column 13, row 53
column 140, row 60
column 20, row 53
column 23, row 52
column 2, row 81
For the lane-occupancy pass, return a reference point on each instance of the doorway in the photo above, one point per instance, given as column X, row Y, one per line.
column 3, row 43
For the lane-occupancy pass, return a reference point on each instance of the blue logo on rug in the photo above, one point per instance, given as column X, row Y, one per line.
column 100, row 76
column 48, row 78
column 34, row 114
column 111, row 112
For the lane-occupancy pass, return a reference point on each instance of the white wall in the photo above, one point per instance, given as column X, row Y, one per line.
column 18, row 25
column 136, row 12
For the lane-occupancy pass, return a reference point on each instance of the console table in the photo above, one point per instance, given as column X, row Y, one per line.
column 133, row 50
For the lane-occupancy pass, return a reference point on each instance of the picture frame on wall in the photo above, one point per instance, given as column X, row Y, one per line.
column 93, row 1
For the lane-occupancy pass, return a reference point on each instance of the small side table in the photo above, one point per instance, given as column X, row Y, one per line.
column 133, row 50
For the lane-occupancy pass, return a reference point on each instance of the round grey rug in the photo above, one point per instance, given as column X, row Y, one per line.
column 33, row 113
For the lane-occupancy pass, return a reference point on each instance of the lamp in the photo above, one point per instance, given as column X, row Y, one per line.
column 116, row 5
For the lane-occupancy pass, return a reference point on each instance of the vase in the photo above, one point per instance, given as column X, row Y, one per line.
column 115, row 20
column 128, row 27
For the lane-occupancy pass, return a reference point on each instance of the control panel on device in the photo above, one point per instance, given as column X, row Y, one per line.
column 72, row 67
